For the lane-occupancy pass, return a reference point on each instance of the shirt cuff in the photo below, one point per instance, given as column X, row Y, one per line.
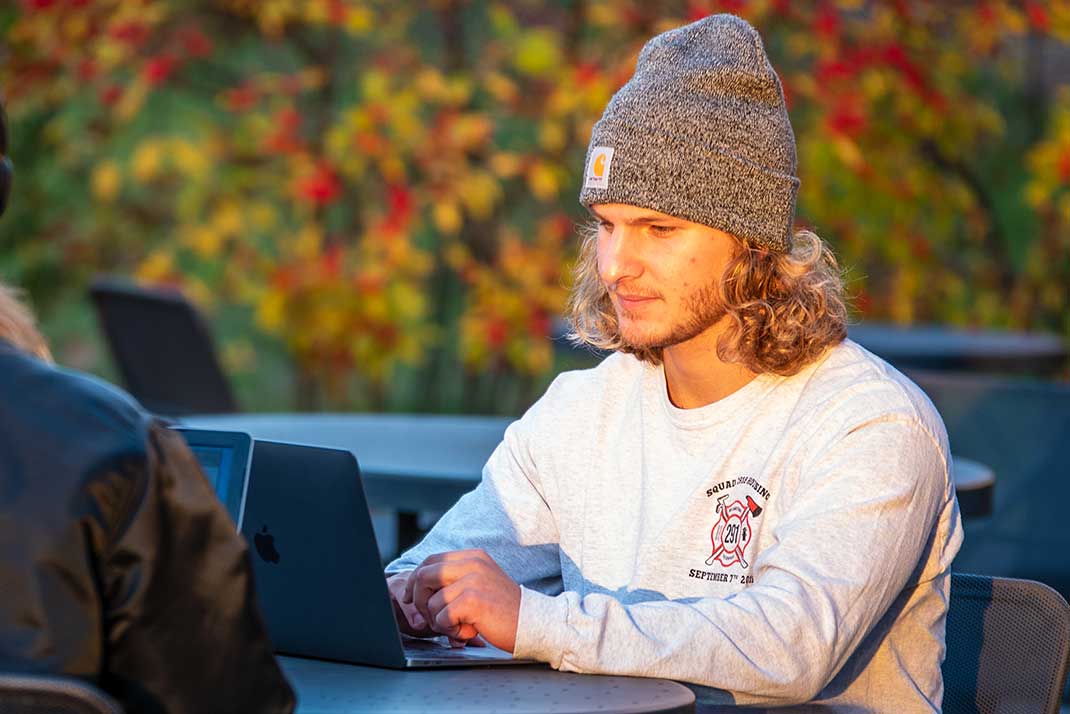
column 542, row 627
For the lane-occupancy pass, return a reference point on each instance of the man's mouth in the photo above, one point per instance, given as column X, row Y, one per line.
column 633, row 300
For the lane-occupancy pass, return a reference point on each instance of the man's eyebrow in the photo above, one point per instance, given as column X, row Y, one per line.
column 641, row 221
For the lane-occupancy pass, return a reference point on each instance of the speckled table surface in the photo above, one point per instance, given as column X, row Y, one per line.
column 336, row 688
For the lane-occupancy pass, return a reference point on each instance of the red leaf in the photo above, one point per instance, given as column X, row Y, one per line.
column 240, row 99
column 110, row 94
column 87, row 70
column 539, row 324
column 1064, row 166
column 1038, row 16
column 132, row 33
column 159, row 68
column 827, row 22
column 497, row 332
column 320, row 188
column 195, row 43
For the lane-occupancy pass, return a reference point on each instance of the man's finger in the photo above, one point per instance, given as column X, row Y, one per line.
column 453, row 609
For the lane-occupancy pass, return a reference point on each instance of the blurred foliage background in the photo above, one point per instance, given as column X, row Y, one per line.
column 374, row 201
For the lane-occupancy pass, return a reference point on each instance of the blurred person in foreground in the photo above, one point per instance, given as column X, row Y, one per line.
column 118, row 565
column 739, row 497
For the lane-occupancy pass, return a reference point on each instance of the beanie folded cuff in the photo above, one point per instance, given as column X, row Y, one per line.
column 680, row 178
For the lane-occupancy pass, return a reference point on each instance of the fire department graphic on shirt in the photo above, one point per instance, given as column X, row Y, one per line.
column 736, row 510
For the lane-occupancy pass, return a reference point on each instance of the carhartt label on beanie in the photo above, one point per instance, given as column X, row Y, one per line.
column 598, row 167
column 700, row 132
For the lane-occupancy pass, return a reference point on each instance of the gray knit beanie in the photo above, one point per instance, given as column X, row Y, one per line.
column 700, row 132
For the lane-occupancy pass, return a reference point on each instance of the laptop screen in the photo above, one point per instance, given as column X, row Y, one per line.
column 224, row 458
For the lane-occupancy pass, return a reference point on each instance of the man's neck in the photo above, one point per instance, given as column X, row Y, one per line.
column 695, row 376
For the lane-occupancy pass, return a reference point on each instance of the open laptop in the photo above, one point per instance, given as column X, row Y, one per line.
column 225, row 457
column 320, row 584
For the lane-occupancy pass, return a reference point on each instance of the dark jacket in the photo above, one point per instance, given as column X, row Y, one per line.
column 117, row 562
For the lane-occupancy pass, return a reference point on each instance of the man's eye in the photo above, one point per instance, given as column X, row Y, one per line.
column 662, row 230
column 606, row 225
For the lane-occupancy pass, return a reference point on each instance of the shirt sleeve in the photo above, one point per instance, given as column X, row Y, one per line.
column 182, row 624
column 860, row 518
column 506, row 515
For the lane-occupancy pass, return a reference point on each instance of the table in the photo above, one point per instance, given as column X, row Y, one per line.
column 974, row 485
column 937, row 347
column 413, row 462
column 408, row 462
column 337, row 688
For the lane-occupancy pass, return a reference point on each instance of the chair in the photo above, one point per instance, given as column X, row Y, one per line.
column 1020, row 429
column 51, row 694
column 163, row 349
column 1008, row 643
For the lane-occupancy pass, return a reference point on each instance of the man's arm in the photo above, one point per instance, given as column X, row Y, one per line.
column 506, row 517
column 849, row 543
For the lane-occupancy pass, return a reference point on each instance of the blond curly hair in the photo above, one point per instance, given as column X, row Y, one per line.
column 785, row 309
column 17, row 325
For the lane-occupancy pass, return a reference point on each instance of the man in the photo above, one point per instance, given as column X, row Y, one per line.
column 117, row 563
column 739, row 497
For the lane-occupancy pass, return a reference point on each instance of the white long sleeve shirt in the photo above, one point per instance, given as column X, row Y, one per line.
column 788, row 543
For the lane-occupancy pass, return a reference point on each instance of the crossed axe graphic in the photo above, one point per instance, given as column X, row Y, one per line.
column 722, row 504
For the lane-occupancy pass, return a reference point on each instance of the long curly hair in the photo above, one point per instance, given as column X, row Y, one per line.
column 785, row 309
column 17, row 325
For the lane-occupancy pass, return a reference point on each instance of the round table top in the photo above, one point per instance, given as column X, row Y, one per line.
column 333, row 688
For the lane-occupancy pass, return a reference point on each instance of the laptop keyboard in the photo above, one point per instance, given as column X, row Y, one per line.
column 439, row 648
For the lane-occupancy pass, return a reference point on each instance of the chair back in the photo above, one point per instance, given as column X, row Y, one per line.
column 163, row 349
column 1008, row 643
column 52, row 694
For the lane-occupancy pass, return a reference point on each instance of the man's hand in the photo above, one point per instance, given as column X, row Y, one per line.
column 464, row 593
column 410, row 621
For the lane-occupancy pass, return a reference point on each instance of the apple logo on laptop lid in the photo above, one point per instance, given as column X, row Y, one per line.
column 265, row 546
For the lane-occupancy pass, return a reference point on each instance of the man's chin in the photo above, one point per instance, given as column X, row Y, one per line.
column 643, row 342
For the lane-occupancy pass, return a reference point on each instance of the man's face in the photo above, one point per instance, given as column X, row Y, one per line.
column 662, row 274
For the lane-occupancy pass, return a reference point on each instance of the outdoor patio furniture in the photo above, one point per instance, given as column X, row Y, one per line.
column 37, row 694
column 163, row 349
column 1008, row 643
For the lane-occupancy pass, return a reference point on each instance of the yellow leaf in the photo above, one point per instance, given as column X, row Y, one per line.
column 308, row 242
column 537, row 53
column 505, row 164
column 106, row 181
column 358, row 20
column 263, row 216
column 228, row 219
column 479, row 192
column 376, row 307
column 206, row 241
column 375, row 85
column 188, row 158
column 552, row 136
column 271, row 312
column 446, row 216
column 542, row 180
column 147, row 160
column 130, row 103
column 157, row 266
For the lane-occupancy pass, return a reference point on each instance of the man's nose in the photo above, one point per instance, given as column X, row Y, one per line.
column 618, row 255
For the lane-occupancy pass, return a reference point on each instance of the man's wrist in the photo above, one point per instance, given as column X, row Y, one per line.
column 541, row 627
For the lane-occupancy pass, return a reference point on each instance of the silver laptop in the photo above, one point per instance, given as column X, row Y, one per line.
column 319, row 579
